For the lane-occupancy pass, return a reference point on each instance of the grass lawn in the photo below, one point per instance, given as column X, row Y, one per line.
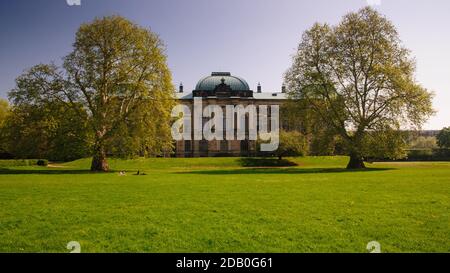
column 216, row 205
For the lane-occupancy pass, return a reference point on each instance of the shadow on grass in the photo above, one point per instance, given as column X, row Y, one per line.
column 37, row 171
column 285, row 171
column 265, row 162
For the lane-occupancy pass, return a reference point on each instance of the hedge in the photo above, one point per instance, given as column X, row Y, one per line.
column 18, row 162
column 428, row 155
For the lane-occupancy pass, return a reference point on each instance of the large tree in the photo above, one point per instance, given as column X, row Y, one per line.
column 118, row 72
column 359, row 79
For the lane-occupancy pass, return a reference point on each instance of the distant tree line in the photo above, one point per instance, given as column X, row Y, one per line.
column 429, row 147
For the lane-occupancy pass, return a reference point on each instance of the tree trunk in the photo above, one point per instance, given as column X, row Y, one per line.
column 356, row 162
column 99, row 163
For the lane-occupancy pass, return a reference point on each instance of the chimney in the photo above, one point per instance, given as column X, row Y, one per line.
column 181, row 88
column 258, row 89
column 283, row 88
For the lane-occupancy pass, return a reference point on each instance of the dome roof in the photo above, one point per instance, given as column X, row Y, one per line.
column 209, row 83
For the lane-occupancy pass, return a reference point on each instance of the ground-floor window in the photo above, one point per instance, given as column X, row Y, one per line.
column 224, row 146
column 187, row 146
column 244, row 145
column 203, row 147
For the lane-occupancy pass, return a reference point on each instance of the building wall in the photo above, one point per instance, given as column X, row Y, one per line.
column 196, row 148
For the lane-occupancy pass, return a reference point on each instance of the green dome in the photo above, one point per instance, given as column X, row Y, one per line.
column 209, row 83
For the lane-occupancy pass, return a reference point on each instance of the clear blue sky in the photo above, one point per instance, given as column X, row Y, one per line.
column 254, row 39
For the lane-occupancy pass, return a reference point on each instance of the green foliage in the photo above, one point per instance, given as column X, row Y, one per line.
column 42, row 162
column 4, row 110
column 420, row 154
column 144, row 134
column 117, row 73
column 292, row 143
column 443, row 138
column 50, row 130
column 385, row 144
column 325, row 141
column 17, row 162
column 440, row 154
column 358, row 78
column 297, row 115
column 423, row 142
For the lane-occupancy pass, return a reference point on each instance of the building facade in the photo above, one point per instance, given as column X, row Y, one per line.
column 222, row 88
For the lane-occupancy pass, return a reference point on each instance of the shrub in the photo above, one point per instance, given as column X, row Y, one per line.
column 441, row 154
column 429, row 155
column 42, row 162
column 420, row 154
column 292, row 143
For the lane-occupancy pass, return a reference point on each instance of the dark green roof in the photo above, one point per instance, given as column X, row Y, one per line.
column 209, row 83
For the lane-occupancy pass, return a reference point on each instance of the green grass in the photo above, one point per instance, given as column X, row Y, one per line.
column 216, row 205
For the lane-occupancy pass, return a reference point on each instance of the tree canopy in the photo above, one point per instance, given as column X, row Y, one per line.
column 443, row 138
column 359, row 79
column 292, row 143
column 51, row 131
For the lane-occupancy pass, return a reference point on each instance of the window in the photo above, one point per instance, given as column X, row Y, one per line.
column 224, row 146
column 244, row 145
column 187, row 146
column 203, row 146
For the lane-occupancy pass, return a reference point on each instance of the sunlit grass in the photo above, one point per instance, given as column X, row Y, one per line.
column 216, row 205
